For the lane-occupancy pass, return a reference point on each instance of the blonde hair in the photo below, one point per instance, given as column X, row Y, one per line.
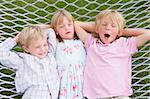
column 58, row 19
column 114, row 15
column 30, row 33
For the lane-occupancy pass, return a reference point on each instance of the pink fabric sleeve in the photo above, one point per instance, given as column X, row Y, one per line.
column 88, row 41
column 131, row 45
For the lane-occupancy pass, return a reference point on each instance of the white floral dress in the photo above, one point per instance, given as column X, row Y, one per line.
column 70, row 57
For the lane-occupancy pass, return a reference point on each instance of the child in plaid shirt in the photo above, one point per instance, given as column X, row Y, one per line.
column 36, row 74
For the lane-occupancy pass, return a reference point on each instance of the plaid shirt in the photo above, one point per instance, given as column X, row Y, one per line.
column 33, row 75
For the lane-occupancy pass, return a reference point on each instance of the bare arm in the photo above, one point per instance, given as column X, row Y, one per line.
column 141, row 39
column 134, row 31
column 142, row 35
column 90, row 27
column 79, row 29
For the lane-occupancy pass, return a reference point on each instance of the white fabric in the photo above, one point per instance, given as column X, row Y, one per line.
column 70, row 57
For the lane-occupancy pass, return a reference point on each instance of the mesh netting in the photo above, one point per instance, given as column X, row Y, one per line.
column 15, row 14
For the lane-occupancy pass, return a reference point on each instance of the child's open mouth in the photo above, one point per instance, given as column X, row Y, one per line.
column 68, row 32
column 107, row 35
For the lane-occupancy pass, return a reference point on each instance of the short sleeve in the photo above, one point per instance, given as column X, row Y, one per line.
column 88, row 41
column 131, row 45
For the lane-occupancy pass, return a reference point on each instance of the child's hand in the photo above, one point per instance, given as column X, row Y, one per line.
column 44, row 26
column 17, row 37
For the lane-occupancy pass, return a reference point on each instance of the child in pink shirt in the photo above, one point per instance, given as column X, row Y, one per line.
column 107, row 72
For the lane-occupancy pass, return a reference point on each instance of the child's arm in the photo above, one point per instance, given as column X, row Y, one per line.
column 141, row 39
column 51, row 36
column 79, row 29
column 134, row 31
column 8, row 57
column 142, row 35
column 51, row 40
column 90, row 27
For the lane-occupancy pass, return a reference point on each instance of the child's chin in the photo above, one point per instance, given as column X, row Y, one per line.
column 106, row 42
column 40, row 57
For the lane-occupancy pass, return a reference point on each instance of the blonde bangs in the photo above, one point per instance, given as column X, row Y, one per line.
column 57, row 19
column 118, row 18
column 31, row 33
column 61, row 19
column 115, row 16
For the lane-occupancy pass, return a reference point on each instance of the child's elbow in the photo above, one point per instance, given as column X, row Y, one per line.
column 148, row 36
column 142, row 39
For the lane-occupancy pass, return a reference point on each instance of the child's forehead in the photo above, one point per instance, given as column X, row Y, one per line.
column 39, row 39
column 62, row 19
column 109, row 19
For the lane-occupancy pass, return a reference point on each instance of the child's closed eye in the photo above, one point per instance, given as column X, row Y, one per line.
column 37, row 47
column 61, row 26
column 45, row 45
column 113, row 25
column 70, row 24
column 104, row 24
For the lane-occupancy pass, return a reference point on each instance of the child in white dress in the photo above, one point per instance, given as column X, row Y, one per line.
column 70, row 56
column 36, row 73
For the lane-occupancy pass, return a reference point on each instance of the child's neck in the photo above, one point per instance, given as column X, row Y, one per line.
column 111, row 41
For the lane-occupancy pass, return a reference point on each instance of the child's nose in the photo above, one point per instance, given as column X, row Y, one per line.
column 66, row 27
column 108, row 27
column 42, row 49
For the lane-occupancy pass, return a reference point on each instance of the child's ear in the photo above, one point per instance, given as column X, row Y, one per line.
column 96, row 30
column 119, row 33
column 25, row 48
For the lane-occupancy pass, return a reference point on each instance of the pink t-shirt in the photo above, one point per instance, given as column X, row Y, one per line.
column 108, row 67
